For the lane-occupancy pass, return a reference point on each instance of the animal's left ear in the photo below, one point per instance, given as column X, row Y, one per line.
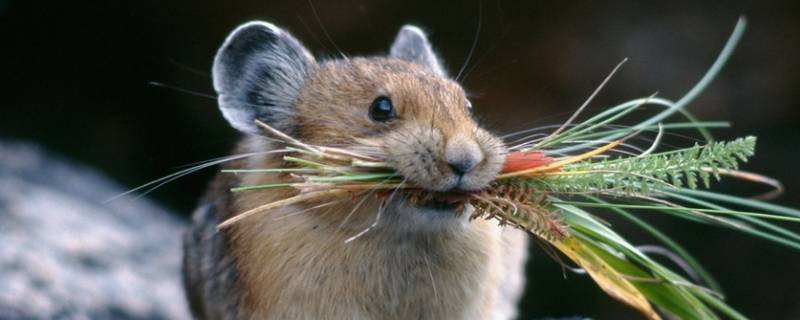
column 411, row 44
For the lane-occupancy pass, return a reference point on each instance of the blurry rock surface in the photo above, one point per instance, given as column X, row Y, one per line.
column 65, row 253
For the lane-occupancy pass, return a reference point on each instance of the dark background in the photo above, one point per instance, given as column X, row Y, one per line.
column 75, row 80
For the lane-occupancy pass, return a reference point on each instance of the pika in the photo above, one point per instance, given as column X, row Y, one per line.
column 420, row 261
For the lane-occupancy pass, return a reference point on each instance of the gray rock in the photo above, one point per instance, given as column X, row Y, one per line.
column 66, row 254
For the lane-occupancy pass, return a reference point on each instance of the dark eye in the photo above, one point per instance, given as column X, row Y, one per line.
column 468, row 104
column 382, row 109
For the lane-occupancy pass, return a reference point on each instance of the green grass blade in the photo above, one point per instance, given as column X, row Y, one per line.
column 704, row 125
column 698, row 88
column 262, row 187
column 756, row 204
column 659, row 207
column 272, row 170
column 676, row 299
column 755, row 232
column 378, row 177
column 670, row 243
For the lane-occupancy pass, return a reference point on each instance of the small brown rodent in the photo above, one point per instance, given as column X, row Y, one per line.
column 421, row 261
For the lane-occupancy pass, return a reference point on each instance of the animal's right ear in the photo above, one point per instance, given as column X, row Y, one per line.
column 258, row 74
column 412, row 45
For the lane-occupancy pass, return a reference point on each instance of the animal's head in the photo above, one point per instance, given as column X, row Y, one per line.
column 402, row 107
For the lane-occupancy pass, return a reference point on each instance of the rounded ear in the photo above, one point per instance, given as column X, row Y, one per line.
column 258, row 74
column 411, row 44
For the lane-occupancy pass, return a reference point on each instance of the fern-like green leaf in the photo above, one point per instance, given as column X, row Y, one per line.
column 650, row 173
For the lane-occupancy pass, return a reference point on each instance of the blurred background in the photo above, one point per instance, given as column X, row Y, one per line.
column 77, row 78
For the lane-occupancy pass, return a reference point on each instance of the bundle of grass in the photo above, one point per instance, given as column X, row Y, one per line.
column 551, row 180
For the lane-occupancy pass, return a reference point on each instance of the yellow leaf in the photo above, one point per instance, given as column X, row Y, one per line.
column 610, row 280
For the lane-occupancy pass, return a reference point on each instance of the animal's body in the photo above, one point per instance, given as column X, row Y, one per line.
column 420, row 261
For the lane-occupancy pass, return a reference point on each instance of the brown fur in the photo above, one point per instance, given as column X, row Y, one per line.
column 416, row 263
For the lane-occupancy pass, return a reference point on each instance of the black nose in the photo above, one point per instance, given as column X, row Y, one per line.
column 462, row 166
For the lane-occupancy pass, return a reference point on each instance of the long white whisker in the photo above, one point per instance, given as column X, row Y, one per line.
column 430, row 274
column 325, row 31
column 357, row 206
column 474, row 41
column 381, row 207
column 291, row 214
column 182, row 90
column 155, row 184
column 191, row 164
column 375, row 223
column 589, row 100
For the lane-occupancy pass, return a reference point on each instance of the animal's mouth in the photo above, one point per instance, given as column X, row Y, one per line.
column 439, row 201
